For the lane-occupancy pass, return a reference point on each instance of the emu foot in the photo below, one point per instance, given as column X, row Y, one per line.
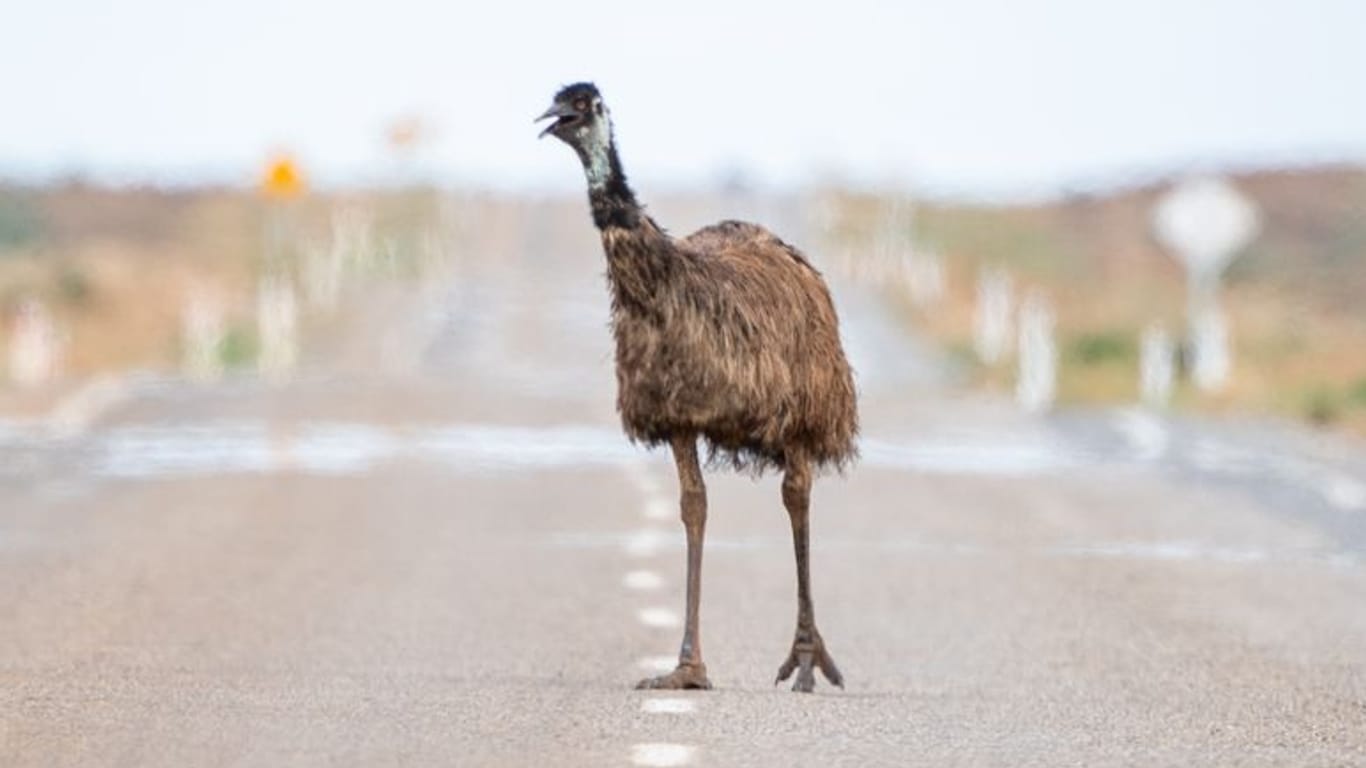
column 808, row 651
column 686, row 676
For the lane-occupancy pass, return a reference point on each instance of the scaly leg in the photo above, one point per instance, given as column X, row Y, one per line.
column 808, row 649
column 691, row 672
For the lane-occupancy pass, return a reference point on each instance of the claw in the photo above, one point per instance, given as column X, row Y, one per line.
column 786, row 669
column 685, row 677
column 802, row 658
column 828, row 668
column 806, row 681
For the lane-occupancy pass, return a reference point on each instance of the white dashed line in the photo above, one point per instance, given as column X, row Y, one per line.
column 662, row 755
column 658, row 663
column 658, row 508
column 648, row 485
column 660, row 706
column 642, row 581
column 658, row 617
column 646, row 543
column 638, row 472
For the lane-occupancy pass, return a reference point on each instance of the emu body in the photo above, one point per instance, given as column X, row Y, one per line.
column 728, row 335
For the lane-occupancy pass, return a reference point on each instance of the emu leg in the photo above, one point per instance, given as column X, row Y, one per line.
column 808, row 649
column 691, row 672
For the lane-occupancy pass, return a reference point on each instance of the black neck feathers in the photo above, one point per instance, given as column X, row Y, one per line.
column 613, row 202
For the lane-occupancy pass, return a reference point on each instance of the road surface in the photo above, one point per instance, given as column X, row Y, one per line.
column 432, row 547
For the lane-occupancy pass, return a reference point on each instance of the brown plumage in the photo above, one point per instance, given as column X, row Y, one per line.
column 729, row 335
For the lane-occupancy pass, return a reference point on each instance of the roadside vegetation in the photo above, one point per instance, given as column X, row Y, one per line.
column 1295, row 298
column 115, row 268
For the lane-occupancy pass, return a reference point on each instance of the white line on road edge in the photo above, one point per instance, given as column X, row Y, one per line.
column 668, row 706
column 658, row 617
column 658, row 663
column 642, row 581
column 662, row 755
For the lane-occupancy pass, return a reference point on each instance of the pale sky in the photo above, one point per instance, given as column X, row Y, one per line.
column 991, row 98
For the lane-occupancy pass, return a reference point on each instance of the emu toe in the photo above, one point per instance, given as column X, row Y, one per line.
column 807, row 654
column 685, row 677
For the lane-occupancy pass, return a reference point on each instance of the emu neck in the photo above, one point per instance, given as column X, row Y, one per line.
column 614, row 204
column 640, row 256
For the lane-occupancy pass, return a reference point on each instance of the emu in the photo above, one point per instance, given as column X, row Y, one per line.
column 730, row 335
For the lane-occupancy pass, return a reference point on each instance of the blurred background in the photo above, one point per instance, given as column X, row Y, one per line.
column 961, row 156
column 308, row 452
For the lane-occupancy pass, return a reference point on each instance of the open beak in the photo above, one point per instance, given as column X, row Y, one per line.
column 561, row 112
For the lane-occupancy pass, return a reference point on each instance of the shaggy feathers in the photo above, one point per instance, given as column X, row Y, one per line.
column 729, row 333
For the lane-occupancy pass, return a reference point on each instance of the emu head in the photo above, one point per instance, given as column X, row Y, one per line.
column 581, row 121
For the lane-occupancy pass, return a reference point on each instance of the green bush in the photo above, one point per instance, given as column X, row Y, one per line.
column 73, row 286
column 238, row 348
column 1357, row 393
column 1323, row 406
column 1101, row 348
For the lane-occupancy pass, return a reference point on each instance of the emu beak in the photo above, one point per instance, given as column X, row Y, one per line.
column 556, row 111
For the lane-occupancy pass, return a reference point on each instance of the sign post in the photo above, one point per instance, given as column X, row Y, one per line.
column 277, row 321
column 991, row 319
column 1205, row 222
column 1037, row 385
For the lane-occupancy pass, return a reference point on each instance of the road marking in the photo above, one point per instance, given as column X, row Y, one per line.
column 665, row 706
column 645, row 482
column 355, row 448
column 76, row 412
column 658, row 617
column 646, row 542
column 658, row 508
column 642, row 581
column 1211, row 455
column 1004, row 455
column 661, row 755
column 1147, row 436
column 1164, row 550
column 657, row 663
column 1344, row 492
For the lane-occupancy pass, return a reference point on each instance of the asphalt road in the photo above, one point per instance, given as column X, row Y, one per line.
column 432, row 547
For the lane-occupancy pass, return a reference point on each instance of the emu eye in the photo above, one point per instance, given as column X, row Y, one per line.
column 581, row 105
